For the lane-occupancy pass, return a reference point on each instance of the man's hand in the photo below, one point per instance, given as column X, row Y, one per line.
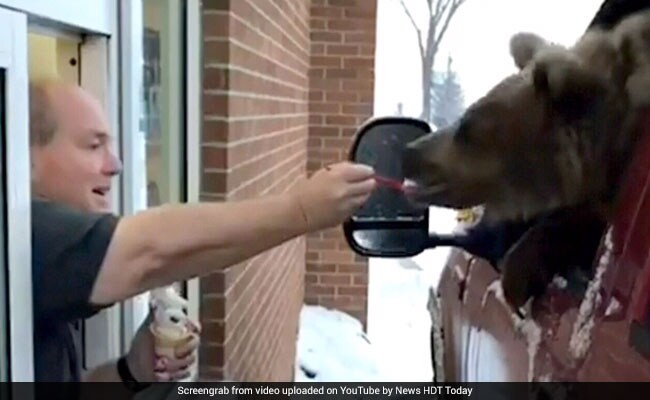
column 146, row 366
column 334, row 193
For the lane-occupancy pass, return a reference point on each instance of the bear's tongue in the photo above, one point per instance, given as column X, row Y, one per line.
column 389, row 182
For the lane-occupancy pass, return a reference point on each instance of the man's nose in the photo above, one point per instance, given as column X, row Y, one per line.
column 113, row 165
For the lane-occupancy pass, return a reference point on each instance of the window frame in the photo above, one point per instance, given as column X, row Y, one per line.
column 13, row 59
column 185, row 187
column 194, row 125
column 92, row 16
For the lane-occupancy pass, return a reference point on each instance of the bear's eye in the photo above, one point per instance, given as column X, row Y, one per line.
column 463, row 131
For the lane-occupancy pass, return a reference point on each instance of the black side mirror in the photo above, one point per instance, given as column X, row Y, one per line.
column 388, row 225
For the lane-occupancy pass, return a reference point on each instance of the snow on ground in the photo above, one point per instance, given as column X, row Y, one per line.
column 332, row 345
column 399, row 323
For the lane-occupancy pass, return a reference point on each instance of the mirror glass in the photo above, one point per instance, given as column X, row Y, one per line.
column 388, row 225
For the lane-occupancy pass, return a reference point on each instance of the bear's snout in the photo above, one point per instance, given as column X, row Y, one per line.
column 413, row 162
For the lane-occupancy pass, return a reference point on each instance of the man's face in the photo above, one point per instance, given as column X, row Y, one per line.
column 76, row 167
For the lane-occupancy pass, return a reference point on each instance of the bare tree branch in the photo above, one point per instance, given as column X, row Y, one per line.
column 418, row 32
column 454, row 7
column 438, row 4
column 441, row 8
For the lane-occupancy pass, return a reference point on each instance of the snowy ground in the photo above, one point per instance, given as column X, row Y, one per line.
column 398, row 320
column 333, row 346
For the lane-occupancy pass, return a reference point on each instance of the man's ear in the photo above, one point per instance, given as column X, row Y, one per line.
column 524, row 46
column 571, row 89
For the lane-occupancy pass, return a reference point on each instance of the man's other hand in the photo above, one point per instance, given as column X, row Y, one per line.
column 147, row 366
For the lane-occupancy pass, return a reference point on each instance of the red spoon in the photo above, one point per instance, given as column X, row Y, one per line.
column 391, row 183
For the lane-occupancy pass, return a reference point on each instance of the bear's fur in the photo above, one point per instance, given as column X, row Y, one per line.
column 555, row 136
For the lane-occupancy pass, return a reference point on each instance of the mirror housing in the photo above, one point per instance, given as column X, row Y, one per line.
column 388, row 225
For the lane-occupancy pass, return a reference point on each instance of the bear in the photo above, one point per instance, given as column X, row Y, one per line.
column 547, row 147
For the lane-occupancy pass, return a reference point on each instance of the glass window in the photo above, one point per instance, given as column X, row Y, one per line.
column 163, row 116
column 163, row 108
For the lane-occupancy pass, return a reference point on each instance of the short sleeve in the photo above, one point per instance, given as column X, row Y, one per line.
column 68, row 249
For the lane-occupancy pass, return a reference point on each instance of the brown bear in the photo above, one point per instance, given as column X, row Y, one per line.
column 552, row 140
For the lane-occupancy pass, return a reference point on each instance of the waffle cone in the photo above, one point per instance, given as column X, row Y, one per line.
column 166, row 345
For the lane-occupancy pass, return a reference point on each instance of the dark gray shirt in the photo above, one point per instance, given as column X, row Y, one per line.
column 68, row 248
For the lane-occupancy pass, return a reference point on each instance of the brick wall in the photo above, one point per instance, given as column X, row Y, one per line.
column 341, row 97
column 255, row 103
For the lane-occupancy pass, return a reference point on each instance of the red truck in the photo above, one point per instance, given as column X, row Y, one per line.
column 597, row 330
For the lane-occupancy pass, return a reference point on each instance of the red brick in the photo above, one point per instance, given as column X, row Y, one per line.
column 357, row 109
column 216, row 4
column 358, row 62
column 215, row 78
column 319, row 267
column 335, row 279
column 317, row 49
column 350, row 268
column 343, row 50
column 339, row 120
column 216, row 105
column 216, row 25
column 215, row 131
column 343, row 3
column 359, row 37
column 352, row 291
column 325, row 108
column 325, row 61
column 318, row 24
column 341, row 97
column 213, row 332
column 326, row 37
column 340, row 73
column 328, row 12
column 320, row 289
column 350, row 24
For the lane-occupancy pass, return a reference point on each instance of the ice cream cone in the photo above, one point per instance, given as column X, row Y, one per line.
column 168, row 343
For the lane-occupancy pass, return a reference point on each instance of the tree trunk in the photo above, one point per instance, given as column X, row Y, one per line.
column 427, row 72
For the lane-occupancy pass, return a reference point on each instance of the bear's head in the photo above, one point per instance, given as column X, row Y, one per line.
column 542, row 138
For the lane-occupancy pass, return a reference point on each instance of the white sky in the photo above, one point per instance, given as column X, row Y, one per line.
column 477, row 39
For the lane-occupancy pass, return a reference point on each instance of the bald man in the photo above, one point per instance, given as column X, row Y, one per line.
column 86, row 259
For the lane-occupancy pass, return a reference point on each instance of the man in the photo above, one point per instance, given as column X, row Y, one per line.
column 85, row 259
column 73, row 163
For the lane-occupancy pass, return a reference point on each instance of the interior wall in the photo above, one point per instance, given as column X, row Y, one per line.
column 53, row 58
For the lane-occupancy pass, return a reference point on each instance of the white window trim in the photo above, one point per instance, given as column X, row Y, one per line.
column 134, row 193
column 14, row 59
column 194, row 120
column 92, row 16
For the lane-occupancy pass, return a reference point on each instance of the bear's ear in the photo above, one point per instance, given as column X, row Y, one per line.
column 524, row 46
column 571, row 89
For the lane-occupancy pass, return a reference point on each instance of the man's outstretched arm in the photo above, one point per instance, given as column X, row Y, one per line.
column 176, row 242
